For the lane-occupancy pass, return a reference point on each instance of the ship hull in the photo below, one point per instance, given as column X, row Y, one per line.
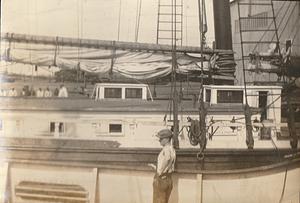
column 115, row 174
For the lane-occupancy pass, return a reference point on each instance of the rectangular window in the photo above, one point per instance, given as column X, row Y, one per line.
column 52, row 127
column 230, row 96
column 61, row 127
column 133, row 93
column 115, row 128
column 113, row 93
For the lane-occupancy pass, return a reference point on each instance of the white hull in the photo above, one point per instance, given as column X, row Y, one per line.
column 128, row 186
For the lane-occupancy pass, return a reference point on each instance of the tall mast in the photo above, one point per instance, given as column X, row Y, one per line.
column 202, row 110
column 174, row 66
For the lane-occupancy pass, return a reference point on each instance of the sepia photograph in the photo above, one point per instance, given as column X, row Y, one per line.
column 150, row 101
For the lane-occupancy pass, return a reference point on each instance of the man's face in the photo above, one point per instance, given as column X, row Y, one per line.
column 164, row 141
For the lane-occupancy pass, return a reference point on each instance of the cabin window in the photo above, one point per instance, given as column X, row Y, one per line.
column 115, row 128
column 230, row 96
column 113, row 93
column 52, row 127
column 61, row 127
column 133, row 93
column 207, row 94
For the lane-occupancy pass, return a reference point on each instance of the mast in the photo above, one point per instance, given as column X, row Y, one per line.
column 174, row 65
column 202, row 110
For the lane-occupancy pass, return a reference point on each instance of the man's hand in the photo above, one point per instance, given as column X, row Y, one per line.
column 152, row 166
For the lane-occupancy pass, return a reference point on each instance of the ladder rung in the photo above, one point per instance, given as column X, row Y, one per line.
column 259, row 30
column 169, row 14
column 171, row 30
column 256, row 18
column 256, row 4
column 164, row 21
column 256, row 42
column 168, row 38
column 171, row 5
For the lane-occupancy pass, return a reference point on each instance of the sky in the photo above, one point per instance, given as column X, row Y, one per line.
column 98, row 19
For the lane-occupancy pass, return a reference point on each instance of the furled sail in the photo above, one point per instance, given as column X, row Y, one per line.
column 138, row 61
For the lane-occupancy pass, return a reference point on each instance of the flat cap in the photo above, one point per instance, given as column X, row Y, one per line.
column 164, row 133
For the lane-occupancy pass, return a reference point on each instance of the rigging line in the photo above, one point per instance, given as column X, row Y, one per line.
column 119, row 21
column 138, row 19
column 274, row 114
column 290, row 15
column 181, row 23
column 281, row 20
column 276, row 148
column 295, row 36
column 277, row 27
column 265, row 108
column 186, row 26
column 170, row 100
column 284, row 184
column 78, row 37
column 158, row 17
column 294, row 27
column 242, row 51
column 269, row 26
column 273, row 142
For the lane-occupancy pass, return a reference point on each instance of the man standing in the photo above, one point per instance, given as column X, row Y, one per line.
column 63, row 92
column 40, row 93
column 47, row 92
column 162, row 183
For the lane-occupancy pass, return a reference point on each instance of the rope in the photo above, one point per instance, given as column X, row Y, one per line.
column 119, row 22
column 298, row 28
column 293, row 9
column 55, row 51
column 194, row 132
column 268, row 106
column 284, row 184
column 197, row 135
column 249, row 135
column 138, row 18
column 113, row 59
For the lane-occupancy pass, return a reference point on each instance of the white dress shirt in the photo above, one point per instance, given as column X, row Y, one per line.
column 166, row 160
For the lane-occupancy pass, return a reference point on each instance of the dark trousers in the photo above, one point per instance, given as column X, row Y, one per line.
column 162, row 187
